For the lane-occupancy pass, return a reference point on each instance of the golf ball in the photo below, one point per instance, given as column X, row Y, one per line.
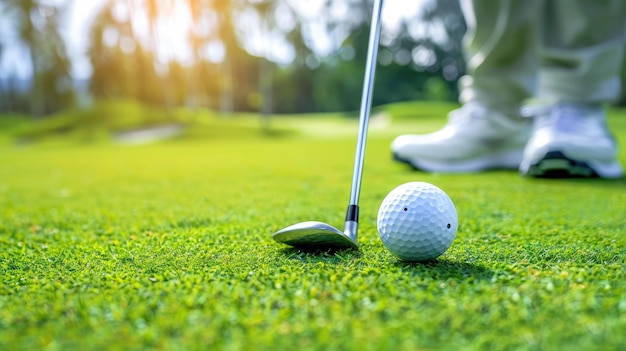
column 417, row 221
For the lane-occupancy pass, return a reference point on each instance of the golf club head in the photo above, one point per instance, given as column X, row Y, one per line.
column 315, row 235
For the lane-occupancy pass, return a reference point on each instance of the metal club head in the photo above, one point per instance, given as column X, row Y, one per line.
column 315, row 235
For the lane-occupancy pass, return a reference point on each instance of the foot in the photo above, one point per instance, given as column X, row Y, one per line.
column 474, row 139
column 571, row 140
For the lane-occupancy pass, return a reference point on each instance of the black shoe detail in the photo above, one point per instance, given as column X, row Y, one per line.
column 556, row 165
column 405, row 161
column 398, row 158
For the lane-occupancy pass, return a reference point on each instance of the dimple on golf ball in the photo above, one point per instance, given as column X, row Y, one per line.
column 417, row 221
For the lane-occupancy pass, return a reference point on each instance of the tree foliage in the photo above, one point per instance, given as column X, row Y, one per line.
column 226, row 70
column 35, row 26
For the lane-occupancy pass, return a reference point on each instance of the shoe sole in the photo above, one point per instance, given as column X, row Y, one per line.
column 555, row 164
column 508, row 160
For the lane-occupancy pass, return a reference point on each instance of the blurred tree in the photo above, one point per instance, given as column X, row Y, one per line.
column 36, row 24
column 293, row 84
column 622, row 99
column 5, row 87
column 264, row 10
column 200, row 35
column 21, row 14
column 226, row 33
column 421, row 61
column 111, row 45
column 178, row 83
column 276, row 21
column 55, row 80
column 148, row 83
column 413, row 64
column 434, row 39
column 156, row 10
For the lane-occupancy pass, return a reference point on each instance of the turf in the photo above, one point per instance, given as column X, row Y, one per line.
column 168, row 246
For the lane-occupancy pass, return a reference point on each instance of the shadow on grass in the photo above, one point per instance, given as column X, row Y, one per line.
column 279, row 133
column 547, row 180
column 436, row 269
column 326, row 256
column 592, row 182
column 444, row 269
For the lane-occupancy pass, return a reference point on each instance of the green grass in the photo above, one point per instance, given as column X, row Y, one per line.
column 168, row 246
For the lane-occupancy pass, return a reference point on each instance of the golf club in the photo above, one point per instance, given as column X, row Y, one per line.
column 319, row 235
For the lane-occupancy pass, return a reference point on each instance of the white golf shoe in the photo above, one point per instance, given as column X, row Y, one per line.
column 571, row 140
column 474, row 139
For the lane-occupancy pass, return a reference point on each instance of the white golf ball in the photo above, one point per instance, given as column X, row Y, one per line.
column 417, row 221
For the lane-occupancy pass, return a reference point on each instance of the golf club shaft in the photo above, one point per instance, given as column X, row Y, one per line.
column 366, row 103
